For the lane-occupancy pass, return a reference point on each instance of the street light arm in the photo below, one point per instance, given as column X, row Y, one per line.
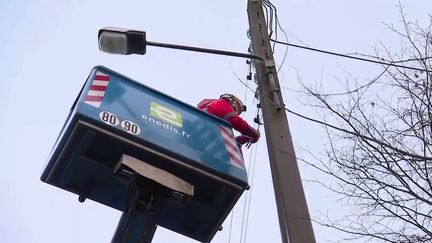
column 205, row 50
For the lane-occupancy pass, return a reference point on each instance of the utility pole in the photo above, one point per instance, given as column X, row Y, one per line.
column 294, row 219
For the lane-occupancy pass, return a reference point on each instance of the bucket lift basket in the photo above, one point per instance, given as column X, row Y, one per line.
column 113, row 117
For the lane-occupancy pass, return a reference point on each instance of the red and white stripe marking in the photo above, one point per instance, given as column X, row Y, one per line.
column 97, row 89
column 231, row 145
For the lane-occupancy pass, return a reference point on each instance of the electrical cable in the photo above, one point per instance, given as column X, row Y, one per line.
column 245, row 202
column 246, row 206
column 286, row 49
column 268, row 16
column 231, row 223
column 387, row 60
column 273, row 20
column 239, row 79
column 359, row 88
column 277, row 25
column 250, row 195
column 247, row 195
column 351, row 57
column 361, row 136
column 269, row 7
column 244, row 215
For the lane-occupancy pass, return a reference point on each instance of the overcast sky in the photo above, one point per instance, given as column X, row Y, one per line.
column 47, row 49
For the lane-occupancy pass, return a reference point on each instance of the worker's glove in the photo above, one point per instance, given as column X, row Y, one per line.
column 242, row 139
column 253, row 134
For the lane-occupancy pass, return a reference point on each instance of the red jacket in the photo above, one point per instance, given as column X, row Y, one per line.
column 222, row 108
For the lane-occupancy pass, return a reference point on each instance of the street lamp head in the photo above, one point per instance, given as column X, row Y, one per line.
column 121, row 41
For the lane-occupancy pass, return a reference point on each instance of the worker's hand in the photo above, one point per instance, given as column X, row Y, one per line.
column 255, row 139
column 245, row 140
column 242, row 139
column 253, row 134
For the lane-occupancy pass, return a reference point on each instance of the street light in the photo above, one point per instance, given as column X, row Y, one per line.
column 122, row 41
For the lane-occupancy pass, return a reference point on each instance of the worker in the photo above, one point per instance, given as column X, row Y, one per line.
column 229, row 107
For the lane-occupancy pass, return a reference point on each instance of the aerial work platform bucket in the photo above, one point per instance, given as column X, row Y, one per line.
column 155, row 158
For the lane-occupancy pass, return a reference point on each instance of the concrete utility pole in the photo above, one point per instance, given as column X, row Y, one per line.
column 294, row 219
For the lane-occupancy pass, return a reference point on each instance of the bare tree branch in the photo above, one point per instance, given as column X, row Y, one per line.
column 379, row 149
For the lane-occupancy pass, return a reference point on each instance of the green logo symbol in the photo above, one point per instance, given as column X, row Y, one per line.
column 165, row 114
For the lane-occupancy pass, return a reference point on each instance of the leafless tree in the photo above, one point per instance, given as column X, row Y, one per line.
column 379, row 146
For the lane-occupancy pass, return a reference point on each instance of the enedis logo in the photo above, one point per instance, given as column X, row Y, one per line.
column 166, row 118
column 168, row 115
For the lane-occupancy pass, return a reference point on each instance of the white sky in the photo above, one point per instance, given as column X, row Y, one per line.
column 47, row 49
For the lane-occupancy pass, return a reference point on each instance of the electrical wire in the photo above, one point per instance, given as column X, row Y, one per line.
column 269, row 17
column 360, row 136
column 270, row 14
column 244, row 214
column 241, row 81
column 286, row 49
column 351, row 57
column 250, row 194
column 247, row 201
column 359, row 88
column 273, row 22
column 231, row 223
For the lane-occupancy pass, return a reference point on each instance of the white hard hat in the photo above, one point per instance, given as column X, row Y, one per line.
column 235, row 102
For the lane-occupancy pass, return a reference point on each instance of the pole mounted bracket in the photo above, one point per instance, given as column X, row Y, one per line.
column 270, row 72
column 275, row 92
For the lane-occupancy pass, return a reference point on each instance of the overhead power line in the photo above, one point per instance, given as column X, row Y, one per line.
column 351, row 57
column 359, row 135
